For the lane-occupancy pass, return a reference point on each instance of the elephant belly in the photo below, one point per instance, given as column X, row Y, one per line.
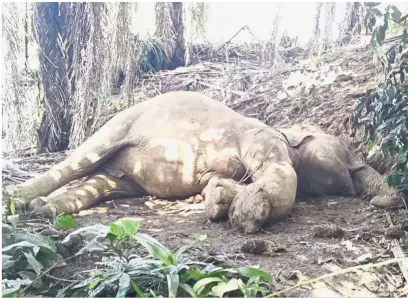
column 175, row 169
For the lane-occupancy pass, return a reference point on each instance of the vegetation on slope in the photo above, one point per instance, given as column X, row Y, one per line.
column 383, row 111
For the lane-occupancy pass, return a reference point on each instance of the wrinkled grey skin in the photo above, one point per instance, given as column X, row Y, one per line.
column 327, row 167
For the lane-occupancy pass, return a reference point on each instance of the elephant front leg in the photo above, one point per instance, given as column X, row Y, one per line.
column 218, row 195
column 270, row 198
column 85, row 195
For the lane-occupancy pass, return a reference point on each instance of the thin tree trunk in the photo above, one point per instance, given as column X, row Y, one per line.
column 53, row 134
column 178, row 25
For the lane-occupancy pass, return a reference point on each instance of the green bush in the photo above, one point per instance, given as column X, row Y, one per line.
column 134, row 264
column 384, row 110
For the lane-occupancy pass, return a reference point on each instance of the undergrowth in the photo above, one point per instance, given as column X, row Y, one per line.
column 130, row 263
column 383, row 111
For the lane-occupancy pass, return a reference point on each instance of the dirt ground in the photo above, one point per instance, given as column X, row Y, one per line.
column 295, row 244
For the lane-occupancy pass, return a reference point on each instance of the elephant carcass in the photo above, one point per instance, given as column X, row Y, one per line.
column 173, row 145
column 327, row 167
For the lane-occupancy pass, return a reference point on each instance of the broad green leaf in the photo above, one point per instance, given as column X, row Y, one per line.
column 66, row 221
column 137, row 290
column 155, row 248
column 124, row 285
column 223, row 287
column 187, row 288
column 7, row 261
column 19, row 244
column 173, row 283
column 111, row 237
column 93, row 284
column 199, row 285
column 242, row 287
column 11, row 288
column 116, row 230
column 98, row 290
column 37, row 267
column 27, row 275
column 179, row 255
column 130, row 226
column 251, row 272
column 20, row 235
column 14, row 294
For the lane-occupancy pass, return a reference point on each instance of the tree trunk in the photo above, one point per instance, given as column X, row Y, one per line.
column 178, row 25
column 326, row 38
column 169, row 27
column 316, row 30
column 53, row 134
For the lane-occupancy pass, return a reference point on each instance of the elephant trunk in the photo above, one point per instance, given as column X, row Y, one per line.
column 372, row 185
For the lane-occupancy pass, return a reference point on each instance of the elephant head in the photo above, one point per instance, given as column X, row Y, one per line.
column 296, row 134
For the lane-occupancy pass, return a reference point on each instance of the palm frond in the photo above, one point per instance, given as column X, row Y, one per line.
column 20, row 92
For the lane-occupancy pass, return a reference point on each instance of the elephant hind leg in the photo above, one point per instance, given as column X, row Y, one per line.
column 85, row 195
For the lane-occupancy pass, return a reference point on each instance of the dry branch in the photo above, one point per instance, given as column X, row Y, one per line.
column 344, row 271
column 398, row 252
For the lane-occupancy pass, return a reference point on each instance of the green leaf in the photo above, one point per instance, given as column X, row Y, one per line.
column 19, row 244
column 11, row 288
column 116, row 230
column 153, row 293
column 66, row 221
column 130, row 226
column 221, row 288
column 98, row 290
column 137, row 289
column 111, row 237
column 251, row 272
column 173, row 283
column 34, row 263
column 7, row 261
column 155, row 248
column 12, row 208
column 396, row 14
column 200, row 285
column 187, row 288
column 201, row 238
column 124, row 285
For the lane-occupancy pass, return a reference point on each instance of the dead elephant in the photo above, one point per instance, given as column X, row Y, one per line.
column 177, row 145
column 170, row 146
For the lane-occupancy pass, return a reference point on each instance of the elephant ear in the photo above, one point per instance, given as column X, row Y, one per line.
column 295, row 137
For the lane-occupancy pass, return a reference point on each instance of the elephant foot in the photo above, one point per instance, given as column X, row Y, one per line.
column 20, row 195
column 384, row 202
column 250, row 209
column 218, row 195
